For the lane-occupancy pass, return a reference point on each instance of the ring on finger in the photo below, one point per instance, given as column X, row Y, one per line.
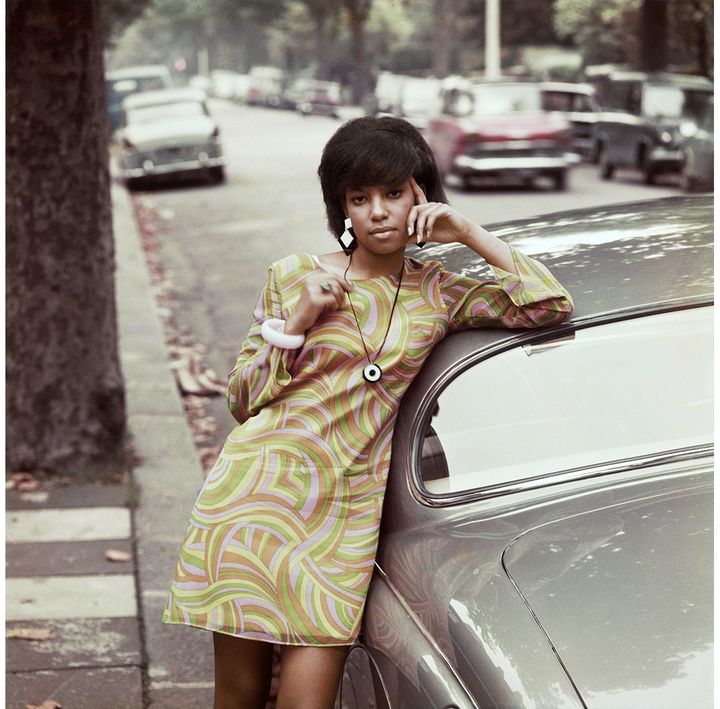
column 326, row 287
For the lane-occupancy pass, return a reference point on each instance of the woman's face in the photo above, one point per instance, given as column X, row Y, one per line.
column 379, row 215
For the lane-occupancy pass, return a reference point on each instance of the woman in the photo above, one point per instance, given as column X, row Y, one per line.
column 283, row 535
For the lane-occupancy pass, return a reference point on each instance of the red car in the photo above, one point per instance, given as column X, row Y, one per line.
column 500, row 130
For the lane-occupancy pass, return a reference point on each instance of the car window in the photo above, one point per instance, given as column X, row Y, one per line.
column 558, row 101
column 611, row 392
column 161, row 112
column 506, row 99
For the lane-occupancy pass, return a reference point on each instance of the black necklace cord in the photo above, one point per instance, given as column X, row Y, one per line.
column 397, row 293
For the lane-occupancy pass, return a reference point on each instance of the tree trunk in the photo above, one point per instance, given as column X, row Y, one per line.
column 358, row 12
column 443, row 34
column 653, row 35
column 65, row 399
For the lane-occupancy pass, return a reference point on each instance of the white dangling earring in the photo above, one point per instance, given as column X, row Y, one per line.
column 347, row 238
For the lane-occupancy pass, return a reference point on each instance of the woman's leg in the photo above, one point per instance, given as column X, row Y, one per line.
column 243, row 670
column 310, row 676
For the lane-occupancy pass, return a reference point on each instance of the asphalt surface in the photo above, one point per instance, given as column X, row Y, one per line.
column 217, row 240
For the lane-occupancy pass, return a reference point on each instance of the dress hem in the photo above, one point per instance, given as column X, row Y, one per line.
column 269, row 639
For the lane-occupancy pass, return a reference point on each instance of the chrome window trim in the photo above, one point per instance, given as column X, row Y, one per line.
column 561, row 334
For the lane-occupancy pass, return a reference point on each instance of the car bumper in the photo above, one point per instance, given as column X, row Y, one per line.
column 524, row 164
column 149, row 168
column 668, row 157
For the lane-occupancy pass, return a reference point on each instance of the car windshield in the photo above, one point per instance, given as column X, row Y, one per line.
column 505, row 99
column 166, row 111
column 610, row 393
column 673, row 101
column 565, row 101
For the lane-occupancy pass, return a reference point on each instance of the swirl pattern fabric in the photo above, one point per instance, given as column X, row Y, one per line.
column 283, row 535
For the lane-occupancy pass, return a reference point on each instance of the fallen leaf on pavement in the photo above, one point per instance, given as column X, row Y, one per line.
column 24, row 482
column 117, row 555
column 30, row 633
column 47, row 704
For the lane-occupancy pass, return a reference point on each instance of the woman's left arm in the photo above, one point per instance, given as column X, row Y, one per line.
column 524, row 292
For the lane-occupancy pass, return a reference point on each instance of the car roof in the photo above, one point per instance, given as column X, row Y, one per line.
column 136, row 72
column 161, row 96
column 616, row 261
column 687, row 80
column 628, row 256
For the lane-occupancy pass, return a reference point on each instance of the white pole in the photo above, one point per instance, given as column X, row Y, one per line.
column 492, row 39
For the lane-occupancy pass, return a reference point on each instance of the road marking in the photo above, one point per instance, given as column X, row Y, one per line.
column 67, row 525
column 62, row 597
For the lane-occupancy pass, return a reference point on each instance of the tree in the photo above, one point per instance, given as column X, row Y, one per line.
column 65, row 398
column 653, row 35
column 322, row 13
column 358, row 13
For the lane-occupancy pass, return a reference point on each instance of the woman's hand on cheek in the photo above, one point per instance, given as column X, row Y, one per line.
column 435, row 221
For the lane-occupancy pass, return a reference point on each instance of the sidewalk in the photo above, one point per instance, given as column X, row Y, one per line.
column 101, row 644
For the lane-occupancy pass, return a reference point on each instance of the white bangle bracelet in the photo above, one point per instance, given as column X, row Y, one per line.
column 273, row 332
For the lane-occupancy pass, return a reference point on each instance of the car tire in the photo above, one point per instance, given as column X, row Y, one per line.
column 649, row 172
column 560, row 180
column 217, row 174
column 607, row 169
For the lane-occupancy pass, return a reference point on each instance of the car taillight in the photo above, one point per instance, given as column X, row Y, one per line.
column 215, row 133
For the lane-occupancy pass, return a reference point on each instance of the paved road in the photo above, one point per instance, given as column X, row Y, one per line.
column 218, row 240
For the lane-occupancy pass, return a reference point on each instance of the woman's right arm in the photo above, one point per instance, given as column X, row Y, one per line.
column 262, row 369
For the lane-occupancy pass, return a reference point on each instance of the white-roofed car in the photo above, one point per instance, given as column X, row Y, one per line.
column 169, row 133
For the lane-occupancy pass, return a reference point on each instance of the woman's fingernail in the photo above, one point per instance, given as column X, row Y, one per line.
column 410, row 231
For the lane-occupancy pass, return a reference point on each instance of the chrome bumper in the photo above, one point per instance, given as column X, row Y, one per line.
column 667, row 155
column 149, row 168
column 528, row 163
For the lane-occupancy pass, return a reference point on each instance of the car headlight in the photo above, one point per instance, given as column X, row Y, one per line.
column 666, row 136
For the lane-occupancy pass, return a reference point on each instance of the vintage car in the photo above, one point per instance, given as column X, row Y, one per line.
column 322, row 98
column 420, row 101
column 639, row 124
column 547, row 529
column 121, row 83
column 698, row 151
column 500, row 130
column 578, row 104
column 169, row 133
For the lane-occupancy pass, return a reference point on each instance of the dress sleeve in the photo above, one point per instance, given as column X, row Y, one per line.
column 533, row 298
column 262, row 370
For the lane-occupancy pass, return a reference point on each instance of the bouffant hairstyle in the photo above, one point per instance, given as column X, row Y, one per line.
column 374, row 151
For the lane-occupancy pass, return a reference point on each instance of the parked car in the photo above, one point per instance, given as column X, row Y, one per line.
column 641, row 115
column 265, row 86
column 698, row 151
column 385, row 99
column 321, row 98
column 295, row 91
column 579, row 105
column 500, row 130
column 420, row 101
column 546, row 537
column 223, row 83
column 121, row 83
column 169, row 133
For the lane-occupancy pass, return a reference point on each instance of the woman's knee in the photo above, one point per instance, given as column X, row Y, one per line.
column 243, row 671
column 310, row 676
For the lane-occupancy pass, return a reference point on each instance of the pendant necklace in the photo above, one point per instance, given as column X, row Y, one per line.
column 371, row 371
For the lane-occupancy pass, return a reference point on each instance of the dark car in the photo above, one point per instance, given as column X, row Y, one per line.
column 546, row 535
column 639, row 124
column 500, row 130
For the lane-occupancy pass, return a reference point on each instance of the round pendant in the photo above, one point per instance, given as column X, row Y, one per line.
column 372, row 372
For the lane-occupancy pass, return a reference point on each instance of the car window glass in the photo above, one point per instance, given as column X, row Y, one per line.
column 506, row 99
column 557, row 101
column 161, row 112
column 614, row 391
column 617, row 95
column 663, row 101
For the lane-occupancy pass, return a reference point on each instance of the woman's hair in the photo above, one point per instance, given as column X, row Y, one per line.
column 374, row 151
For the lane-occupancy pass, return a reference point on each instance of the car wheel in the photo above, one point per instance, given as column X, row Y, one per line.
column 217, row 174
column 594, row 155
column 648, row 170
column 560, row 180
column 607, row 169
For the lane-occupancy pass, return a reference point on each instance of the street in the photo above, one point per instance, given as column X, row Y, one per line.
column 216, row 241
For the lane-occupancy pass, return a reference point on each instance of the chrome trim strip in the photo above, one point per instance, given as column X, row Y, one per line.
column 425, row 633
column 166, row 168
column 513, row 163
